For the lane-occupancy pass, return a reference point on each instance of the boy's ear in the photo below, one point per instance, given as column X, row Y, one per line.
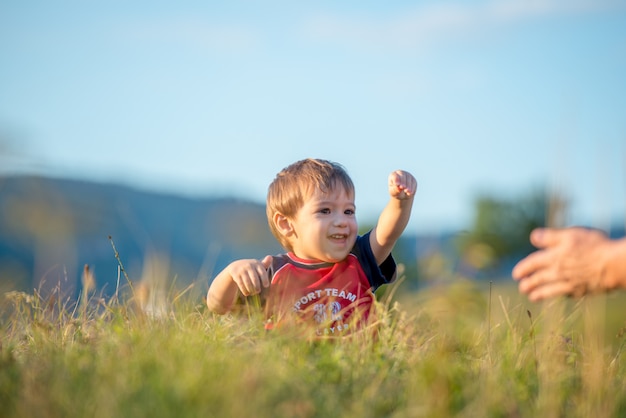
column 283, row 224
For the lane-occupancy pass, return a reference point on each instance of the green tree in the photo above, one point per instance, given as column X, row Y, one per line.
column 501, row 227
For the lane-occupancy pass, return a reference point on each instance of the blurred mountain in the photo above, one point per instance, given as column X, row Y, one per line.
column 51, row 228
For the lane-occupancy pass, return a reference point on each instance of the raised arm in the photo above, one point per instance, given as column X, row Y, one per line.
column 395, row 216
column 241, row 276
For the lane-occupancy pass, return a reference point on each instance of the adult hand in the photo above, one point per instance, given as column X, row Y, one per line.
column 570, row 261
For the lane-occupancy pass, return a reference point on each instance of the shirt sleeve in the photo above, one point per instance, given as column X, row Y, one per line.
column 376, row 274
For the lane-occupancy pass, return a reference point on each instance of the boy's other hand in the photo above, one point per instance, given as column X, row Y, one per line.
column 250, row 274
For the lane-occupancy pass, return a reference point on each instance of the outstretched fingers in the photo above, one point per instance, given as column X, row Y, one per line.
column 550, row 290
column 546, row 240
column 537, row 261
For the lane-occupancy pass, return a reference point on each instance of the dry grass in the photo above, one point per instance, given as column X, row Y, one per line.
column 456, row 350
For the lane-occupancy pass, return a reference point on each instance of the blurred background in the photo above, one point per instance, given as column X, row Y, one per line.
column 162, row 124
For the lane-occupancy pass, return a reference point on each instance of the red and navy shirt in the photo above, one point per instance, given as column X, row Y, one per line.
column 332, row 298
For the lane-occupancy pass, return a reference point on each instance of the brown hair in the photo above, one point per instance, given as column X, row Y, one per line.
column 293, row 184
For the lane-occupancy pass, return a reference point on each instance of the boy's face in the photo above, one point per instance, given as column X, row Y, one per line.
column 325, row 226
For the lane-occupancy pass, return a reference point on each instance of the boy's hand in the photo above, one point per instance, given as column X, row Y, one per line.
column 402, row 185
column 250, row 274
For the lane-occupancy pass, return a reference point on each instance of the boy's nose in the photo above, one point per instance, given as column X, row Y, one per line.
column 341, row 220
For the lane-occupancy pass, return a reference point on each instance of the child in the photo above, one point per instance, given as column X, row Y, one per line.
column 328, row 276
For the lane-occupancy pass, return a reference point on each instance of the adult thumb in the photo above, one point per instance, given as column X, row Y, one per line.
column 544, row 237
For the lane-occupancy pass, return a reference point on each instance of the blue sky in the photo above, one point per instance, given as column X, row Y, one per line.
column 203, row 98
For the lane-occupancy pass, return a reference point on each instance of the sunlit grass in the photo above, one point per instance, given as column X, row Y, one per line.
column 462, row 349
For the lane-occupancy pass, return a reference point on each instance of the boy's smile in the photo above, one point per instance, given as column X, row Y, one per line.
column 325, row 227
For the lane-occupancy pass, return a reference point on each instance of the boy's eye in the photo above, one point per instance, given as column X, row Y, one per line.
column 325, row 211
column 349, row 212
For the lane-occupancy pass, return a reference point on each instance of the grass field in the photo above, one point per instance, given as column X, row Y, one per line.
column 464, row 349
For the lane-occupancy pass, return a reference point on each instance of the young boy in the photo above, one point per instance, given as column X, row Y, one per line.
column 328, row 276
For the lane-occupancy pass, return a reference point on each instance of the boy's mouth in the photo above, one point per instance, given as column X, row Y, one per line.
column 339, row 236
